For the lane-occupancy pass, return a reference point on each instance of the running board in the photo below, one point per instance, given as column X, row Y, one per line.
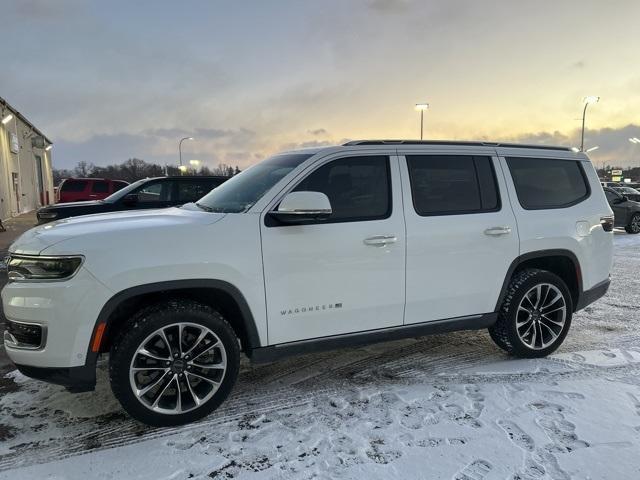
column 276, row 352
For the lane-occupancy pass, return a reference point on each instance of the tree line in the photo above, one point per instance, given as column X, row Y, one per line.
column 135, row 169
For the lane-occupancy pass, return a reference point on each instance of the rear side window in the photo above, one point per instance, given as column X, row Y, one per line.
column 543, row 183
column 358, row 188
column 100, row 186
column 452, row 184
column 73, row 186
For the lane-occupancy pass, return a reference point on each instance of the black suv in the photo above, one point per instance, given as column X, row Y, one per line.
column 626, row 212
column 157, row 192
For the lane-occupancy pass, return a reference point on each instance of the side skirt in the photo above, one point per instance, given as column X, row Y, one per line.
column 275, row 352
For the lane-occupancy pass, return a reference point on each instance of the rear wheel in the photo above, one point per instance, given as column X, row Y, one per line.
column 634, row 224
column 175, row 362
column 535, row 315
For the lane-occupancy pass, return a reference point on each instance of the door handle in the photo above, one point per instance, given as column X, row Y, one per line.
column 380, row 240
column 496, row 231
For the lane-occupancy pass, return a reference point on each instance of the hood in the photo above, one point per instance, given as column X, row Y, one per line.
column 87, row 203
column 116, row 224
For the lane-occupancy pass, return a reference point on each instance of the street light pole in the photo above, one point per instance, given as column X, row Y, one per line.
column 422, row 107
column 180, row 147
column 587, row 101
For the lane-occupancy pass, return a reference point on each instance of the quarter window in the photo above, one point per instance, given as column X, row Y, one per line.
column 358, row 188
column 544, row 183
column 452, row 184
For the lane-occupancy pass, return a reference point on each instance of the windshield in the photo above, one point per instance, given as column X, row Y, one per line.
column 114, row 197
column 241, row 192
column 630, row 190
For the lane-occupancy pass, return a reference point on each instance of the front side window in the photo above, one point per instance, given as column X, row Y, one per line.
column 544, row 183
column 611, row 196
column 358, row 188
column 242, row 191
column 452, row 184
column 156, row 192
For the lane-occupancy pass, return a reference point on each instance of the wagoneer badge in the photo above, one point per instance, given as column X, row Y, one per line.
column 312, row 308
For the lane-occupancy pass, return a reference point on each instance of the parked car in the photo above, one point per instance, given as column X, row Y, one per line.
column 157, row 192
column 307, row 251
column 630, row 193
column 627, row 212
column 83, row 189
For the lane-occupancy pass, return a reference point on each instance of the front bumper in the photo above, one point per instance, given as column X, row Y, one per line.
column 66, row 312
column 75, row 379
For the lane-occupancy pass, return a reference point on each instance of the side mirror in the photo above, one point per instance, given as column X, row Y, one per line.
column 297, row 207
column 619, row 200
column 130, row 199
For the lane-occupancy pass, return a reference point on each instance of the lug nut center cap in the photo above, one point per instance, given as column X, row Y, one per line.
column 179, row 365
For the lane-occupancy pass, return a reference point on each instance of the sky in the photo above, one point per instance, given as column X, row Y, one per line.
column 109, row 81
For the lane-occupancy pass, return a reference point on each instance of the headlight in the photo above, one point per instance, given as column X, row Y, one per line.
column 47, row 215
column 24, row 268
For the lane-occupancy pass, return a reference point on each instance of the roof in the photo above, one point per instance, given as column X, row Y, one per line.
column 24, row 119
column 452, row 142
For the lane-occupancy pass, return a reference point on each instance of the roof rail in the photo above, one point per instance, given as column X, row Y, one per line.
column 452, row 142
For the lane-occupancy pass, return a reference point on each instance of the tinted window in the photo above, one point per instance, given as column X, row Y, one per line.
column 156, row 192
column 452, row 184
column 241, row 192
column 192, row 190
column 546, row 183
column 100, row 186
column 73, row 186
column 611, row 196
column 118, row 185
column 357, row 187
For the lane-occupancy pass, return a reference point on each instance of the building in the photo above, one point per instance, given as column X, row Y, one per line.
column 26, row 177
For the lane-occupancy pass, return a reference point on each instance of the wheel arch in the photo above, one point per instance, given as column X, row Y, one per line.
column 563, row 263
column 221, row 295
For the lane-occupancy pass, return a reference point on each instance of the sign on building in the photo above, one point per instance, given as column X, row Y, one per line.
column 15, row 145
column 616, row 173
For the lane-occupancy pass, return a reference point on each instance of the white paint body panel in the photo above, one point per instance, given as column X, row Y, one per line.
column 438, row 267
column 322, row 279
column 454, row 269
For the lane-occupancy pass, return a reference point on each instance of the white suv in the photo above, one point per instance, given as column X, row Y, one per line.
column 309, row 250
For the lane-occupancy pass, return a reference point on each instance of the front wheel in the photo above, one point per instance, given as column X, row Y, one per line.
column 634, row 224
column 173, row 363
column 535, row 315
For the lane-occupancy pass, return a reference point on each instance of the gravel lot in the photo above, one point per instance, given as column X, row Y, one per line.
column 448, row 406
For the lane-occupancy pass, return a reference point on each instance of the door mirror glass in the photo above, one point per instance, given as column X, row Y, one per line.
column 298, row 207
column 621, row 199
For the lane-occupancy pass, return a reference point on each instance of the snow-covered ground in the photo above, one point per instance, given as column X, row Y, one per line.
column 448, row 406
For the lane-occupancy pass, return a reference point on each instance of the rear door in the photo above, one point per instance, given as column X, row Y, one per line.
column 461, row 232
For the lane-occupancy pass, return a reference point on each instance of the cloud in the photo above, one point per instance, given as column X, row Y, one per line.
column 318, row 131
column 389, row 6
column 579, row 64
column 613, row 144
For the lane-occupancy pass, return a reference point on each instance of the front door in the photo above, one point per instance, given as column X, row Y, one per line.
column 461, row 235
column 344, row 274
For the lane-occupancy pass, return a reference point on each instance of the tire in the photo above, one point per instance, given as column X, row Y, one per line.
column 634, row 224
column 535, row 315
column 205, row 368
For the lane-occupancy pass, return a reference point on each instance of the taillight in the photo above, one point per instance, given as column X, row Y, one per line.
column 607, row 223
